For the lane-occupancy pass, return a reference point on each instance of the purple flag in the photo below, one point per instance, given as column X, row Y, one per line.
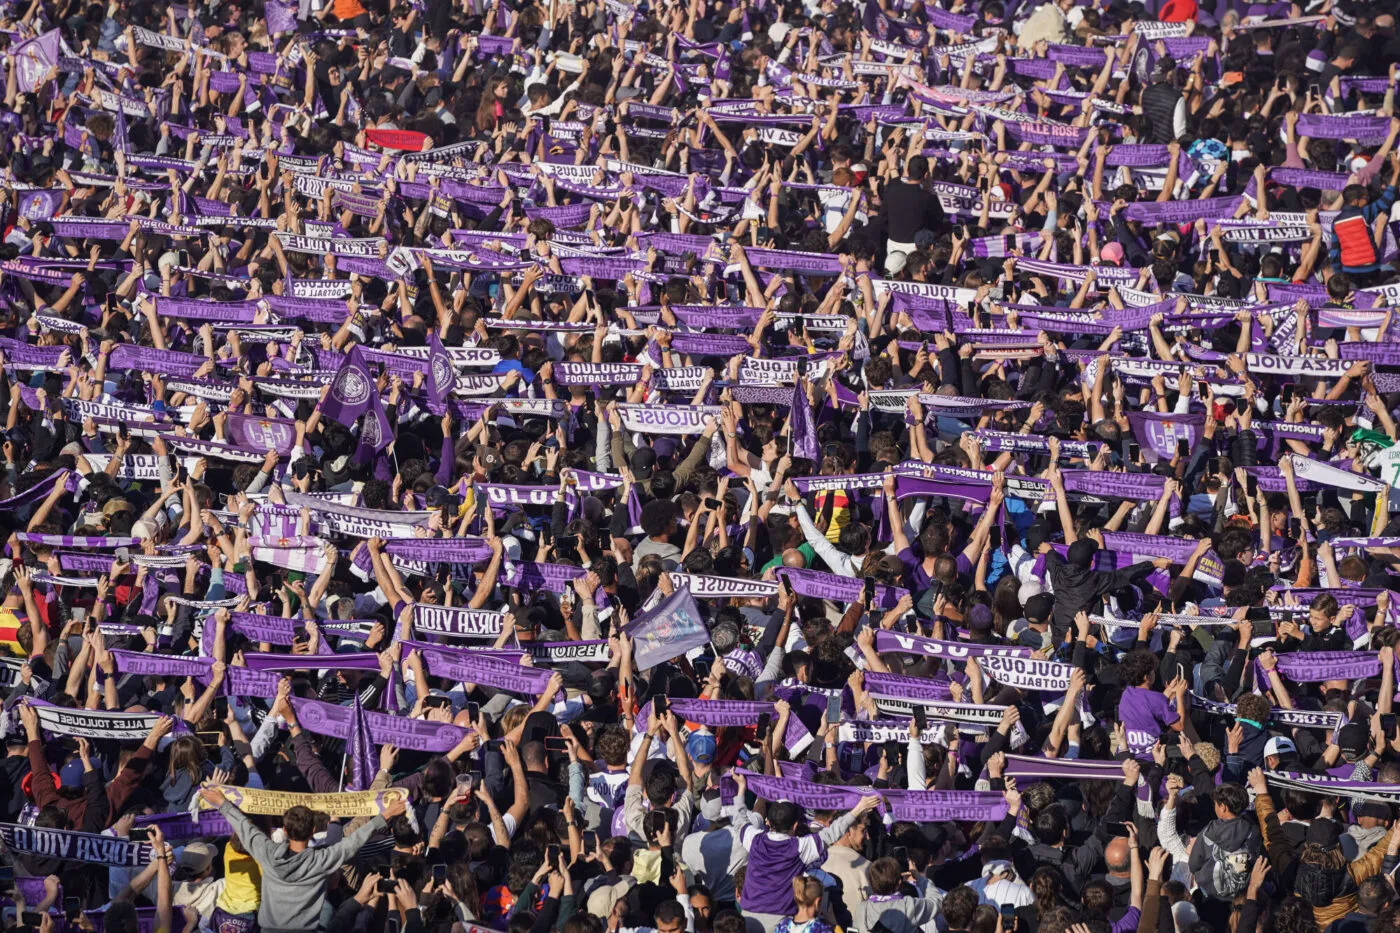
column 1158, row 433
column 34, row 58
column 442, row 375
column 804, row 431
column 362, row 754
column 281, row 17
column 376, row 432
column 668, row 631
column 262, row 434
column 350, row 390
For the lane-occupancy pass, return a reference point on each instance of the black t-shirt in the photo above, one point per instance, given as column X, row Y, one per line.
column 907, row 209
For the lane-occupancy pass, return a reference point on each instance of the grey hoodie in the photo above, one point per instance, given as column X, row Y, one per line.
column 294, row 883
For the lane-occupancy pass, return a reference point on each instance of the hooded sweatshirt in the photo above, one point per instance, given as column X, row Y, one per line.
column 1233, row 835
column 294, row 883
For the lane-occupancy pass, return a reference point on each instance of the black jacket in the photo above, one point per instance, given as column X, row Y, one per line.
column 1159, row 106
column 1081, row 588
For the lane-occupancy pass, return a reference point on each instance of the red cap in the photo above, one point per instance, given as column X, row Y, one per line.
column 1178, row 11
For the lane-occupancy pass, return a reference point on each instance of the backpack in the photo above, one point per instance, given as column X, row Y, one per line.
column 1319, row 885
column 1229, row 870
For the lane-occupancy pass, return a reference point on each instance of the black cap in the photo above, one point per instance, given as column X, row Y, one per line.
column 1353, row 739
column 1323, row 833
column 643, row 463
column 1039, row 607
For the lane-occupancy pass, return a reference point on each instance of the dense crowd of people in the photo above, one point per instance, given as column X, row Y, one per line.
column 699, row 466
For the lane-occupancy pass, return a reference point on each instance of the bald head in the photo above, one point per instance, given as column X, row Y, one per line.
column 795, row 559
column 1115, row 854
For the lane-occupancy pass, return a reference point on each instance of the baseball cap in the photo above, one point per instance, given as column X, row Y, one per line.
column 196, row 857
column 438, row 497
column 1372, row 808
column 1322, row 833
column 1177, row 11
column 701, row 747
column 1039, row 607
column 490, row 458
column 1279, row 745
column 71, row 774
column 643, row 463
column 1353, row 739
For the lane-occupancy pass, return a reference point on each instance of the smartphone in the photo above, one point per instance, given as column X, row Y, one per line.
column 439, row 873
column 220, row 708
column 436, row 703
column 920, row 719
column 1295, row 529
column 1261, row 628
column 1134, row 452
column 110, row 307
column 713, row 504
column 139, row 834
column 868, row 595
column 551, row 855
column 387, row 885
column 1008, row 917
column 1118, row 830
column 1251, row 485
column 550, row 443
column 183, row 257
column 566, row 541
column 661, row 705
column 994, row 537
column 209, row 739
column 833, row 708
column 1183, row 448
column 552, row 744
column 901, row 855
column 590, row 842
column 1388, row 724
column 802, row 366
column 765, row 722
column 391, row 924
column 72, row 906
column 299, row 633
column 1286, row 395
column 31, row 918
column 787, row 586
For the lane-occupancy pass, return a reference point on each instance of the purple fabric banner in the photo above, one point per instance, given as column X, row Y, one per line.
column 1069, row 769
column 364, row 763
column 418, row 735
column 838, row 588
column 469, row 667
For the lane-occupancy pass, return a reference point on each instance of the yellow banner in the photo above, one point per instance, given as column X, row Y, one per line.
column 276, row 802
